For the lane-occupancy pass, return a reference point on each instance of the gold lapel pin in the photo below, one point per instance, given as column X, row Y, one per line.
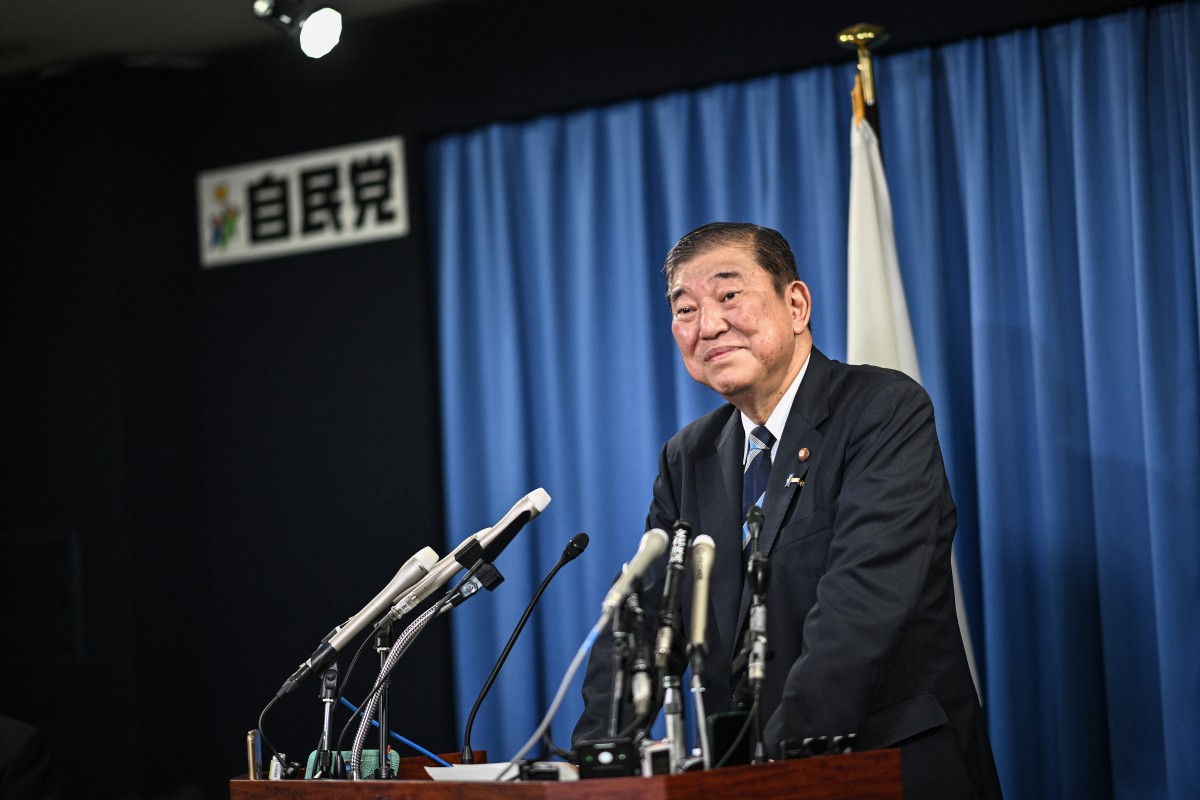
column 803, row 454
column 792, row 480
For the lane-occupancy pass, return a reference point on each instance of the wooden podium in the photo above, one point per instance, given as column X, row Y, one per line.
column 863, row 776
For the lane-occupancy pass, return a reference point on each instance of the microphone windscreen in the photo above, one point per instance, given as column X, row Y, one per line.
column 754, row 516
column 539, row 498
column 575, row 547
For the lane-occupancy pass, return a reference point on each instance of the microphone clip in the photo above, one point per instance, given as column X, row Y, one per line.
column 489, row 576
column 482, row 576
column 469, row 553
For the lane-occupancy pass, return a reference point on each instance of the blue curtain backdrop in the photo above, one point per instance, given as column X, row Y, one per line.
column 1046, row 187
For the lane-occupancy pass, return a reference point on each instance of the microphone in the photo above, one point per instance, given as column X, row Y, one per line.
column 653, row 544
column 577, row 545
column 409, row 574
column 641, row 682
column 757, row 575
column 667, row 618
column 484, row 545
column 664, row 652
column 506, row 529
column 703, row 556
column 757, row 572
column 704, row 552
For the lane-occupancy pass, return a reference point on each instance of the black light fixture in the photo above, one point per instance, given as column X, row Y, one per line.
column 317, row 31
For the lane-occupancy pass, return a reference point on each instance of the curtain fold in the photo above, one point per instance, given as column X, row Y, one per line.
column 1046, row 189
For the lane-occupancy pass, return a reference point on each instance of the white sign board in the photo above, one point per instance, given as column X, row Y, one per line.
column 311, row 201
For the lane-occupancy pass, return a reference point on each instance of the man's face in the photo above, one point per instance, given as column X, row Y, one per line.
column 735, row 333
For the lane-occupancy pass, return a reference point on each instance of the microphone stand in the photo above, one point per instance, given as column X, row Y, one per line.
column 622, row 653
column 696, row 654
column 324, row 762
column 703, row 551
column 673, row 714
column 460, row 593
column 758, row 574
column 641, row 679
column 577, row 545
column 627, row 660
column 383, row 646
column 667, row 655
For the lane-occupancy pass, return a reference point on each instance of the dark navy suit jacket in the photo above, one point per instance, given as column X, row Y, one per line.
column 861, row 620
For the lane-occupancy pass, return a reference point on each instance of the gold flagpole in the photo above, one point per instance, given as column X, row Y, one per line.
column 863, row 37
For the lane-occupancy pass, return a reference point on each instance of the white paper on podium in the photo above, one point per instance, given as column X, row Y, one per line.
column 474, row 772
column 503, row 771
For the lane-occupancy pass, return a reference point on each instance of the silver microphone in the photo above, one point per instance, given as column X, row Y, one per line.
column 653, row 544
column 413, row 570
column 491, row 541
column 704, row 551
column 409, row 574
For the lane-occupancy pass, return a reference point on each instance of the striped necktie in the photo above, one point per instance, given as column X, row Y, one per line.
column 758, row 468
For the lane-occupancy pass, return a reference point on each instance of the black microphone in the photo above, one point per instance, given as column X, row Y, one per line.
column 666, row 656
column 757, row 575
column 757, row 571
column 668, row 619
column 577, row 545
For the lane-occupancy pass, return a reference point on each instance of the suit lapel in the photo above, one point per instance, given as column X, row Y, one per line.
column 799, row 448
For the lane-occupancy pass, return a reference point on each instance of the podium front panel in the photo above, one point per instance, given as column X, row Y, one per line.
column 871, row 775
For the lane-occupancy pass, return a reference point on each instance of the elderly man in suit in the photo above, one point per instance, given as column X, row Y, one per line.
column 858, row 521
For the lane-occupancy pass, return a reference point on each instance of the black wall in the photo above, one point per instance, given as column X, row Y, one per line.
column 205, row 470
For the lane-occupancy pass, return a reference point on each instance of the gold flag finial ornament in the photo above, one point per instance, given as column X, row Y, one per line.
column 862, row 37
column 856, row 100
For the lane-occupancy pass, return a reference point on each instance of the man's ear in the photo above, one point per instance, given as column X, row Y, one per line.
column 800, row 300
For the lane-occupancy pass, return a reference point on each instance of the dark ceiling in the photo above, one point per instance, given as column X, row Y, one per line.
column 53, row 35
column 47, row 37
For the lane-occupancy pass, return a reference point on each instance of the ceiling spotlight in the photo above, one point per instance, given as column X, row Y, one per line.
column 317, row 31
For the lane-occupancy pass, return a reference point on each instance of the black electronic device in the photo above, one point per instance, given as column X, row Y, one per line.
column 730, row 738
column 608, row 758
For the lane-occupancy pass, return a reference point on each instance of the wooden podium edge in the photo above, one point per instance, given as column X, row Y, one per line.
column 870, row 775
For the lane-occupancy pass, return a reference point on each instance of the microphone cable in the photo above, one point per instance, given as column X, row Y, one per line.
column 576, row 662
column 405, row 741
column 288, row 768
column 549, row 748
column 574, row 548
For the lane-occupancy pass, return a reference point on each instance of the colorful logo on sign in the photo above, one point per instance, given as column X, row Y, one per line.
column 224, row 222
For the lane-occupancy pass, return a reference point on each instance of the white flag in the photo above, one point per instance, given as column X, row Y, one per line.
column 878, row 330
